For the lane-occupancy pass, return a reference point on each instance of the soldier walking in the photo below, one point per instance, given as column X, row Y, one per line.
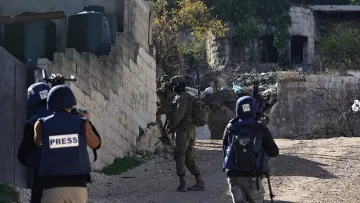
column 181, row 121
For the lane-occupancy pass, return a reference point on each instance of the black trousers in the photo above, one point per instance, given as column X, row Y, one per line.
column 36, row 189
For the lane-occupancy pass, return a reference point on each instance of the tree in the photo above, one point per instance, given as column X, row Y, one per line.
column 341, row 47
column 192, row 19
column 253, row 18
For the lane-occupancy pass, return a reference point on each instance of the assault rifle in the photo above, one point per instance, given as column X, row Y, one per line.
column 164, row 136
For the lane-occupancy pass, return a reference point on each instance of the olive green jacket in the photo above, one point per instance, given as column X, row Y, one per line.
column 180, row 111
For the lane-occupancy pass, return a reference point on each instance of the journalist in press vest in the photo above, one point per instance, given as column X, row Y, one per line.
column 63, row 138
column 247, row 146
column 29, row 154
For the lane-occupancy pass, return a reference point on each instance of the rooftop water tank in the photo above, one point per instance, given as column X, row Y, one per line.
column 30, row 40
column 89, row 31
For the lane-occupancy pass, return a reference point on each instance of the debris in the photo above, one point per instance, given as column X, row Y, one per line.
column 138, row 157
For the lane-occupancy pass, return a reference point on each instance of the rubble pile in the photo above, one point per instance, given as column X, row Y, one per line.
column 267, row 81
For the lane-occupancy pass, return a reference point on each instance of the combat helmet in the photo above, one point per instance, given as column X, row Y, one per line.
column 60, row 97
column 37, row 92
column 245, row 107
column 176, row 80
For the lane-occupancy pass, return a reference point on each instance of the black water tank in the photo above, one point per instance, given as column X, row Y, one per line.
column 89, row 31
column 30, row 40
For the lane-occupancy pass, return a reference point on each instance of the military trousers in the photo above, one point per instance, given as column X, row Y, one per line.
column 246, row 190
column 65, row 195
column 183, row 152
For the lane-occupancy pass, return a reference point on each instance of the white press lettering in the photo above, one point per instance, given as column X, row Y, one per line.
column 64, row 141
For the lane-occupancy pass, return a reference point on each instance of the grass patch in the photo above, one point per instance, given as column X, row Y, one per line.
column 122, row 165
column 9, row 194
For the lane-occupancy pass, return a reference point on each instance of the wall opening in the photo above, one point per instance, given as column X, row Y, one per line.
column 269, row 53
column 237, row 53
column 298, row 43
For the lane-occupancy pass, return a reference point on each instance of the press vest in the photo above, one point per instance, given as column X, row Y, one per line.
column 33, row 156
column 64, row 146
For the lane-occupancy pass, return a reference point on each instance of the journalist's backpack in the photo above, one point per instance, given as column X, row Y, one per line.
column 247, row 151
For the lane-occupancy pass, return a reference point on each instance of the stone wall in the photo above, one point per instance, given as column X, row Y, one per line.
column 303, row 24
column 299, row 111
column 119, row 90
column 13, row 117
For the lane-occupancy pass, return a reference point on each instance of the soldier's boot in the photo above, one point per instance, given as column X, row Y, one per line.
column 182, row 186
column 199, row 185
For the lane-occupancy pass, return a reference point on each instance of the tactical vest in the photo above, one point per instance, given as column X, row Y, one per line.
column 64, row 146
column 33, row 156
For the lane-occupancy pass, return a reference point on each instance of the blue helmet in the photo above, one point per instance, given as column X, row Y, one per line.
column 60, row 97
column 37, row 93
column 246, row 107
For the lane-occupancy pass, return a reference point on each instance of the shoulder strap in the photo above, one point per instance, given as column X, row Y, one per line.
column 98, row 135
column 41, row 121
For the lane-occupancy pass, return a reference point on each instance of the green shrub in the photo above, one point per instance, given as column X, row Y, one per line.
column 122, row 165
column 9, row 194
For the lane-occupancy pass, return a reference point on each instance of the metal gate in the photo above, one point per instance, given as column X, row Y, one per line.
column 13, row 86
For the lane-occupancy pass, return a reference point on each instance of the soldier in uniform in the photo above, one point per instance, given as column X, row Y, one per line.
column 165, row 97
column 64, row 137
column 29, row 154
column 181, row 121
column 220, row 116
column 220, row 104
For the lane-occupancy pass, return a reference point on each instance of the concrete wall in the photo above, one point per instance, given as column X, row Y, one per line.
column 13, row 118
column 118, row 90
column 303, row 24
column 219, row 48
column 304, row 104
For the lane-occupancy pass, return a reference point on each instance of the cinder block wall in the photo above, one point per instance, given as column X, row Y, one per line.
column 301, row 108
column 119, row 90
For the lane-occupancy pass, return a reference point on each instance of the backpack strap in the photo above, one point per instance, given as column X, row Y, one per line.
column 98, row 135
column 41, row 121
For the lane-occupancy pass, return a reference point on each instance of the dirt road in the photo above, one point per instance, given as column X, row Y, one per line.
column 314, row 171
column 306, row 171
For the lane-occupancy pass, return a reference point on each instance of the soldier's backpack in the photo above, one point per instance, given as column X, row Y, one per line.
column 200, row 111
column 247, row 151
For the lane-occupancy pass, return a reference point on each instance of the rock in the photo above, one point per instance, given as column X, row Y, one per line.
column 138, row 157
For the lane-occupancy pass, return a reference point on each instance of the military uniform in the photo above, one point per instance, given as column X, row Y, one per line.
column 165, row 96
column 181, row 121
column 220, row 116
